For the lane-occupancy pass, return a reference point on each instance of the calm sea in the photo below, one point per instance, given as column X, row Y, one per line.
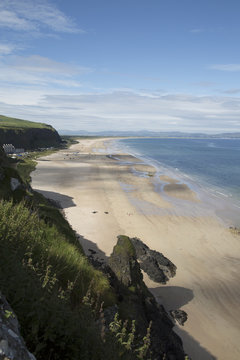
column 209, row 164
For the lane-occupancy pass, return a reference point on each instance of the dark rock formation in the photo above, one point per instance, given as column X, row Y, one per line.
column 11, row 184
column 179, row 315
column 12, row 346
column 30, row 138
column 155, row 264
column 137, row 303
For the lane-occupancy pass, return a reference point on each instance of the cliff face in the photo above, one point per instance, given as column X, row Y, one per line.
column 30, row 138
column 12, row 345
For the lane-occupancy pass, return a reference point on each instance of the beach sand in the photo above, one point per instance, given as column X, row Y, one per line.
column 103, row 197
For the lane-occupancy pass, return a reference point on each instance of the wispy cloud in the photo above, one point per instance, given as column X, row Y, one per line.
column 121, row 110
column 232, row 91
column 40, row 64
column 35, row 15
column 226, row 67
column 204, row 84
column 39, row 71
column 6, row 49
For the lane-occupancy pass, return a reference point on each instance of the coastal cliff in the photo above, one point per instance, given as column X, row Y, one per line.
column 27, row 134
column 75, row 307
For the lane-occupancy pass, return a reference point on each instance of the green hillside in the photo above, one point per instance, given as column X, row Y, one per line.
column 25, row 134
column 13, row 123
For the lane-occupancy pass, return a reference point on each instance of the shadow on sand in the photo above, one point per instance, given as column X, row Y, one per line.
column 173, row 298
column 91, row 248
column 60, row 200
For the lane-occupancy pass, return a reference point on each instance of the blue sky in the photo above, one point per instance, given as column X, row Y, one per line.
column 169, row 65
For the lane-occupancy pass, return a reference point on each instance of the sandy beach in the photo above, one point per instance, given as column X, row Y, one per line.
column 104, row 196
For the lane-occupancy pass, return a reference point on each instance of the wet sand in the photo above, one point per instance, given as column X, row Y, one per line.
column 104, row 196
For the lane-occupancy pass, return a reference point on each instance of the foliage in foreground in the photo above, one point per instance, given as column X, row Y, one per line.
column 56, row 294
column 45, row 279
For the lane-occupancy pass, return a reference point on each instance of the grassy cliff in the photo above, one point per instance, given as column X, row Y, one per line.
column 58, row 296
column 13, row 123
column 27, row 134
column 69, row 308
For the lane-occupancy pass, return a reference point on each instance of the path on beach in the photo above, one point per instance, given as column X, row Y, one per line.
column 103, row 198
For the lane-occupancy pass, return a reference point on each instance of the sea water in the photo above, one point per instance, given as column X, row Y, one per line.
column 211, row 167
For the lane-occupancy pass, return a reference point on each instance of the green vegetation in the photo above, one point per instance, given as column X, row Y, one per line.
column 124, row 246
column 25, row 167
column 64, row 305
column 10, row 123
column 58, row 296
column 126, row 337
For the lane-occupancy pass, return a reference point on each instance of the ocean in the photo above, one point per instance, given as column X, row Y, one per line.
column 211, row 167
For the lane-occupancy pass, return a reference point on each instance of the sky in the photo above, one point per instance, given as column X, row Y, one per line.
column 159, row 65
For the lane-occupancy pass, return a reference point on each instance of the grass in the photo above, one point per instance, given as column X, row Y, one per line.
column 10, row 123
column 124, row 246
column 57, row 295
column 55, row 292
column 45, row 278
column 25, row 167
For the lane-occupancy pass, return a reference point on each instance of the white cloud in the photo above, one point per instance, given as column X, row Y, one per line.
column 12, row 21
column 226, row 67
column 40, row 64
column 39, row 71
column 6, row 49
column 127, row 111
column 34, row 15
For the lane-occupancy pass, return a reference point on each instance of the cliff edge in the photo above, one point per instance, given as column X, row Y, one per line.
column 27, row 134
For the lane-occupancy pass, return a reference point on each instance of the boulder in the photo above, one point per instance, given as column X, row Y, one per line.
column 179, row 316
column 155, row 264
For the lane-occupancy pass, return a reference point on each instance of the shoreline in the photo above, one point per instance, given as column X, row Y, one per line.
column 102, row 198
column 219, row 202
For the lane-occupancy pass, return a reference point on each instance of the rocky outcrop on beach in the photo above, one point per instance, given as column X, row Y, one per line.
column 12, row 345
column 137, row 303
column 180, row 316
column 154, row 263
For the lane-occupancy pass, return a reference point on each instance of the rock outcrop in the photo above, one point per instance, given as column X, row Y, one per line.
column 155, row 264
column 12, row 345
column 137, row 303
column 179, row 316
column 11, row 184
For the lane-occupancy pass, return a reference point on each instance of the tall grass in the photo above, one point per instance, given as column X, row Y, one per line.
column 45, row 278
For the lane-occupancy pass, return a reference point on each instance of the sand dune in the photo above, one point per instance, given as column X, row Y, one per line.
column 103, row 197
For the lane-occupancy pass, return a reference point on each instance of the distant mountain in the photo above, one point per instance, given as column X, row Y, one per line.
column 147, row 133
